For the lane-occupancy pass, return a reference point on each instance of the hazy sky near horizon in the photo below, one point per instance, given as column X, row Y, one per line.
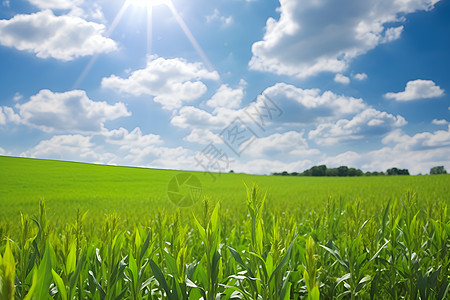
column 249, row 85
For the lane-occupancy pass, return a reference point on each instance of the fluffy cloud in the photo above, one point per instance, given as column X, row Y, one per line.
column 367, row 123
column 134, row 139
column 226, row 96
column 193, row 117
column 203, row 137
column 289, row 143
column 171, row 81
column 417, row 89
column 77, row 8
column 268, row 166
column 419, row 141
column 324, row 36
column 360, row 76
column 418, row 153
column 7, row 114
column 2, row 117
column 296, row 106
column 310, row 105
column 56, row 4
column 116, row 147
column 69, row 147
column 216, row 16
column 70, row 111
column 440, row 122
column 342, row 79
column 60, row 37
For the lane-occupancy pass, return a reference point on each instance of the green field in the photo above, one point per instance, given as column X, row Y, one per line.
column 112, row 232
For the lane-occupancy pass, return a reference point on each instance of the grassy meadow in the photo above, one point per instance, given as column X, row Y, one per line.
column 81, row 231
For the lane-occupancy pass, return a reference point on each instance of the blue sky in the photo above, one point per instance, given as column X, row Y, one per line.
column 173, row 84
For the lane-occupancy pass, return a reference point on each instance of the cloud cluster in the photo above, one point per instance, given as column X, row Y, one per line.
column 227, row 97
column 60, row 37
column 324, row 36
column 171, row 82
column 7, row 114
column 341, row 79
column 369, row 122
column 56, row 4
column 290, row 143
column 310, row 105
column 418, row 153
column 71, row 111
column 216, row 16
column 417, row 89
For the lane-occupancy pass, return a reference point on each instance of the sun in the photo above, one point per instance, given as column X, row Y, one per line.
column 148, row 3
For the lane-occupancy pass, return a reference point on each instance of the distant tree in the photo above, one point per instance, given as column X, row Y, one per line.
column 403, row 172
column 319, row 170
column 231, row 171
column 396, row 171
column 332, row 172
column 342, row 171
column 284, row 173
column 438, row 170
column 392, row 171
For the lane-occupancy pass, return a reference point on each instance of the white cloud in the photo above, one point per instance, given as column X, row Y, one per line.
column 172, row 82
column 370, row 122
column 311, row 105
column 341, row 79
column 2, row 117
column 56, row 4
column 360, row 76
column 17, row 97
column 324, row 36
column 419, row 141
column 2, row 151
column 77, row 8
column 268, row 166
column 11, row 116
column 227, row 97
column 418, row 153
column 203, row 137
column 134, row 139
column 417, row 89
column 298, row 106
column 60, row 37
column 6, row 3
column 116, row 147
column 290, row 143
column 216, row 16
column 69, row 147
column 70, row 111
column 7, row 115
column 193, row 117
column 440, row 122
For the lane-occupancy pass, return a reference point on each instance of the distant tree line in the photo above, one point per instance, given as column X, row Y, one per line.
column 342, row 171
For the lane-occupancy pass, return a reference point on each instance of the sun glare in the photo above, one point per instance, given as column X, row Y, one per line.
column 148, row 3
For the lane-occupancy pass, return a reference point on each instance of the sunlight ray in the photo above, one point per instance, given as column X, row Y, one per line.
column 108, row 34
column 149, row 4
column 191, row 37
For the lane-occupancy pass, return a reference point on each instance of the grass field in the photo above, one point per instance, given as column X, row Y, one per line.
column 111, row 232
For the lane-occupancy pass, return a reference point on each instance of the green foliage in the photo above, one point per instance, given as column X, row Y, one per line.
column 362, row 239
column 438, row 170
column 396, row 171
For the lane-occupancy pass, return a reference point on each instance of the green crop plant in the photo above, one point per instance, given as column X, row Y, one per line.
column 294, row 238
